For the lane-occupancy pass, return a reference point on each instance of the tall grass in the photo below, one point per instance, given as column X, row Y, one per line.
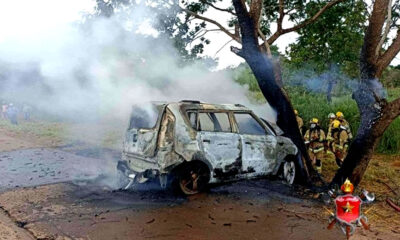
column 313, row 104
column 316, row 105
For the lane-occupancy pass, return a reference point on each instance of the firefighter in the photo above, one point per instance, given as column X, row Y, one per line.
column 344, row 123
column 340, row 142
column 299, row 121
column 331, row 118
column 314, row 140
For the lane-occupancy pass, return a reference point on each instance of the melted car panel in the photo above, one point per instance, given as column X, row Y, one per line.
column 228, row 138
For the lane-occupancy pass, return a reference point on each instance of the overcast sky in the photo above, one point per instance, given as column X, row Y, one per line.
column 22, row 19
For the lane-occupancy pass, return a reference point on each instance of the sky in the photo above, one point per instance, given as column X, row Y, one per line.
column 44, row 16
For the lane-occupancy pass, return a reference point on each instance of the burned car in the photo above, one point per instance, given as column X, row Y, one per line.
column 189, row 144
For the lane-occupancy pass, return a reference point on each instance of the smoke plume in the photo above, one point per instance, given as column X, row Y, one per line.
column 98, row 70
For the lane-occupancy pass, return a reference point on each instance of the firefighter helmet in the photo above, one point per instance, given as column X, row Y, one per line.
column 339, row 115
column 335, row 124
column 347, row 187
column 331, row 116
column 314, row 120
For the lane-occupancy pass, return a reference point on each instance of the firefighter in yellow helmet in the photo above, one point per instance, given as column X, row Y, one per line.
column 340, row 117
column 331, row 118
column 344, row 123
column 314, row 139
column 299, row 121
column 340, row 142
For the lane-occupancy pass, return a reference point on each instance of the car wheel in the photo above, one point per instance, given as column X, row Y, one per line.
column 289, row 172
column 193, row 178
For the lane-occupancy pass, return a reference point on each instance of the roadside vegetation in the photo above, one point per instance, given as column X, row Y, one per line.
column 307, row 91
column 64, row 133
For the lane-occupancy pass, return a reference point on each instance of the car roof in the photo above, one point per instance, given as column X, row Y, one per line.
column 190, row 104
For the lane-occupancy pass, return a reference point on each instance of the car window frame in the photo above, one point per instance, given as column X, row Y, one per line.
column 266, row 129
column 198, row 111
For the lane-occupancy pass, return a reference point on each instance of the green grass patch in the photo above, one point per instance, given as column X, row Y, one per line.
column 37, row 128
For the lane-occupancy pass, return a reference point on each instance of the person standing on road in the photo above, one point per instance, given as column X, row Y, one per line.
column 4, row 107
column 314, row 140
column 12, row 114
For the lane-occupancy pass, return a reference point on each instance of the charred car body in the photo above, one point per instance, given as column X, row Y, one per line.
column 190, row 144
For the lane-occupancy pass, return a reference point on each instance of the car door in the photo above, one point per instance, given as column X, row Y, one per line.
column 141, row 136
column 258, row 144
column 220, row 145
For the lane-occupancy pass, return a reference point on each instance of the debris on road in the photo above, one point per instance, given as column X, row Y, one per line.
column 151, row 221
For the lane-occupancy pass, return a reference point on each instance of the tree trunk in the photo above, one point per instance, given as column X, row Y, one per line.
column 263, row 70
column 375, row 112
column 365, row 142
column 376, row 116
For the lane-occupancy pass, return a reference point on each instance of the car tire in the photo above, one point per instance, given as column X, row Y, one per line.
column 191, row 178
column 289, row 172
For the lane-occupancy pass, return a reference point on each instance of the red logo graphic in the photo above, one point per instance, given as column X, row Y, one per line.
column 348, row 208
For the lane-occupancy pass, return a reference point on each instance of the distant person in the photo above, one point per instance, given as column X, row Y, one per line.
column 331, row 118
column 26, row 110
column 340, row 141
column 299, row 121
column 12, row 114
column 4, row 108
column 314, row 140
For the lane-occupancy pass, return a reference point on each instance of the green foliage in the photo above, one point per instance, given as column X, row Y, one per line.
column 391, row 77
column 336, row 37
column 165, row 18
column 312, row 104
column 390, row 141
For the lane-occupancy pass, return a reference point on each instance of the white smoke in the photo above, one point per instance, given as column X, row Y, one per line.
column 102, row 69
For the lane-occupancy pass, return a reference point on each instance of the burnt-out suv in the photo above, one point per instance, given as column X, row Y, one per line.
column 190, row 144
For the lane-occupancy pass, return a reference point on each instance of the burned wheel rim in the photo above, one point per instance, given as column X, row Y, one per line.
column 289, row 172
column 193, row 179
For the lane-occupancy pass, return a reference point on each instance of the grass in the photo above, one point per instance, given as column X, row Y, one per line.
column 64, row 133
column 312, row 105
column 37, row 128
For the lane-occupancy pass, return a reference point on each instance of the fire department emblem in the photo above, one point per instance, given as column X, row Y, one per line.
column 348, row 213
column 348, row 208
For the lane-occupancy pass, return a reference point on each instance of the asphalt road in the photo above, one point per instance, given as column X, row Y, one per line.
column 73, row 194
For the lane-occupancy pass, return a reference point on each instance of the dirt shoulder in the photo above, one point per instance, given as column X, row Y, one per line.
column 10, row 231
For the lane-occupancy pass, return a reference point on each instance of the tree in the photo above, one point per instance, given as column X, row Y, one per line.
column 375, row 111
column 335, row 39
column 251, row 22
column 167, row 23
